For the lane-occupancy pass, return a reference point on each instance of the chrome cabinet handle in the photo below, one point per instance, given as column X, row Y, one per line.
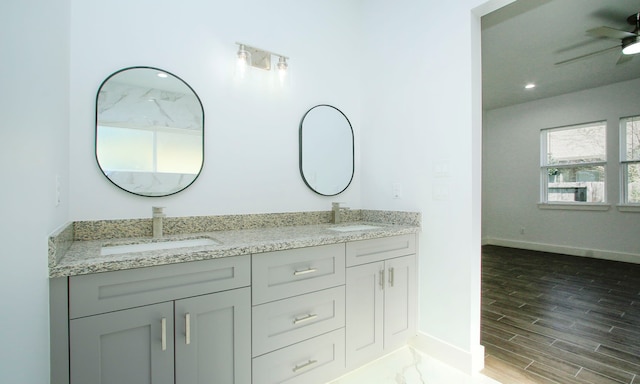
column 304, row 271
column 381, row 279
column 164, row 333
column 305, row 365
column 187, row 328
column 302, row 319
column 391, row 276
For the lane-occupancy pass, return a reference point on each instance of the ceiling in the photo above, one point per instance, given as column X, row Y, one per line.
column 522, row 41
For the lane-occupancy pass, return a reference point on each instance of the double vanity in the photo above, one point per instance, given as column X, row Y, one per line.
column 275, row 298
column 266, row 298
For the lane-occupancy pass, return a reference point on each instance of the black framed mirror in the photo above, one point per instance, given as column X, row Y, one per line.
column 149, row 131
column 326, row 150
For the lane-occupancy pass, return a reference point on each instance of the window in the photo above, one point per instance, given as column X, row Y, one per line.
column 630, row 159
column 160, row 150
column 573, row 163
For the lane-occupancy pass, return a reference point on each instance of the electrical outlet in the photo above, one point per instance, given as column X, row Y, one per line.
column 397, row 190
column 57, row 196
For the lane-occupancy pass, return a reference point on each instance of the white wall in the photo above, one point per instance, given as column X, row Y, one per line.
column 422, row 129
column 251, row 127
column 33, row 150
column 511, row 171
column 406, row 89
column 410, row 93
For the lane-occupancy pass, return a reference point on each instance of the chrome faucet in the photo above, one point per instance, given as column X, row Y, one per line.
column 157, row 217
column 336, row 212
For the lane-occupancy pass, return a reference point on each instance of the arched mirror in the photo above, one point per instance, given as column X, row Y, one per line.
column 326, row 150
column 149, row 131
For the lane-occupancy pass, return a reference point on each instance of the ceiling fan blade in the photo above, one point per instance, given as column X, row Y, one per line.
column 624, row 58
column 587, row 55
column 610, row 33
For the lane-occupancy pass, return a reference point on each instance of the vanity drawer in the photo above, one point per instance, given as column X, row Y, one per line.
column 369, row 251
column 317, row 360
column 284, row 322
column 281, row 274
column 111, row 291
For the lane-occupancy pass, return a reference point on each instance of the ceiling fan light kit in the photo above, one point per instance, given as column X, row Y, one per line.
column 631, row 45
column 629, row 41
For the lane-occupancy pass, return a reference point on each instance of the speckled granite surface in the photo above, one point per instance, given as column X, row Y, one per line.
column 116, row 229
column 75, row 249
column 59, row 243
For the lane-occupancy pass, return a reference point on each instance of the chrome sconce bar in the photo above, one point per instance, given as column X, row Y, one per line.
column 249, row 56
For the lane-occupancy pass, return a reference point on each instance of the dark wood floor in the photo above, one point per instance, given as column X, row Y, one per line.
column 549, row 318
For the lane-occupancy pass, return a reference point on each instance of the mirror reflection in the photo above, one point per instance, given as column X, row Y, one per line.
column 149, row 131
column 326, row 150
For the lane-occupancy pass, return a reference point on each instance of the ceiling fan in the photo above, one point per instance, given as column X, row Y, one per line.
column 629, row 41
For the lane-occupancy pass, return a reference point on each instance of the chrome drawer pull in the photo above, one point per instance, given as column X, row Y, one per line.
column 391, row 276
column 164, row 334
column 304, row 271
column 305, row 365
column 381, row 279
column 187, row 328
column 302, row 319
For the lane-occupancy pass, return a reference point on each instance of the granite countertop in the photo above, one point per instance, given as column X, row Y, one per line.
column 83, row 257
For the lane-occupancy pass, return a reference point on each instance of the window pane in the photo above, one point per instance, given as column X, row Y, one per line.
column 632, row 138
column 124, row 149
column 576, row 184
column 585, row 143
column 633, row 183
column 179, row 152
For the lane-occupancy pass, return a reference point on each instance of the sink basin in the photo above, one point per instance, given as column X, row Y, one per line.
column 350, row 228
column 155, row 246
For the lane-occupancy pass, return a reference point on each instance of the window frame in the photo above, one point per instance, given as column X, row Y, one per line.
column 545, row 166
column 625, row 204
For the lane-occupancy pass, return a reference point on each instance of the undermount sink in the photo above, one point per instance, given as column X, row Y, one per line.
column 155, row 246
column 350, row 228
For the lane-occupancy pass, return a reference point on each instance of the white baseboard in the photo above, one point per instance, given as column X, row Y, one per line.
column 573, row 251
column 468, row 362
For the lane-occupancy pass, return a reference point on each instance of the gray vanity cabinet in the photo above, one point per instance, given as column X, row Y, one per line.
column 298, row 315
column 302, row 315
column 162, row 324
column 380, row 297
column 123, row 347
column 213, row 339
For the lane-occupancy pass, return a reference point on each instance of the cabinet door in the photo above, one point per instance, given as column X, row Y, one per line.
column 133, row 346
column 364, row 315
column 213, row 338
column 399, row 301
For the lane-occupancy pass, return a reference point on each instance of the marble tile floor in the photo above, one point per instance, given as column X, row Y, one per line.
column 408, row 366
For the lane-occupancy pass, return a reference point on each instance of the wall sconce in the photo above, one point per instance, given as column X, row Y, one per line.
column 249, row 56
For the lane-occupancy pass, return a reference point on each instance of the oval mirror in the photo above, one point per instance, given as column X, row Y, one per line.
column 149, row 131
column 326, row 150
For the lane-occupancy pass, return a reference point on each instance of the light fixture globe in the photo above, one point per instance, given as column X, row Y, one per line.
column 244, row 57
column 631, row 45
column 282, row 65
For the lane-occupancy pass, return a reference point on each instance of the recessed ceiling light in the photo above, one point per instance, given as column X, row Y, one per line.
column 530, row 86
